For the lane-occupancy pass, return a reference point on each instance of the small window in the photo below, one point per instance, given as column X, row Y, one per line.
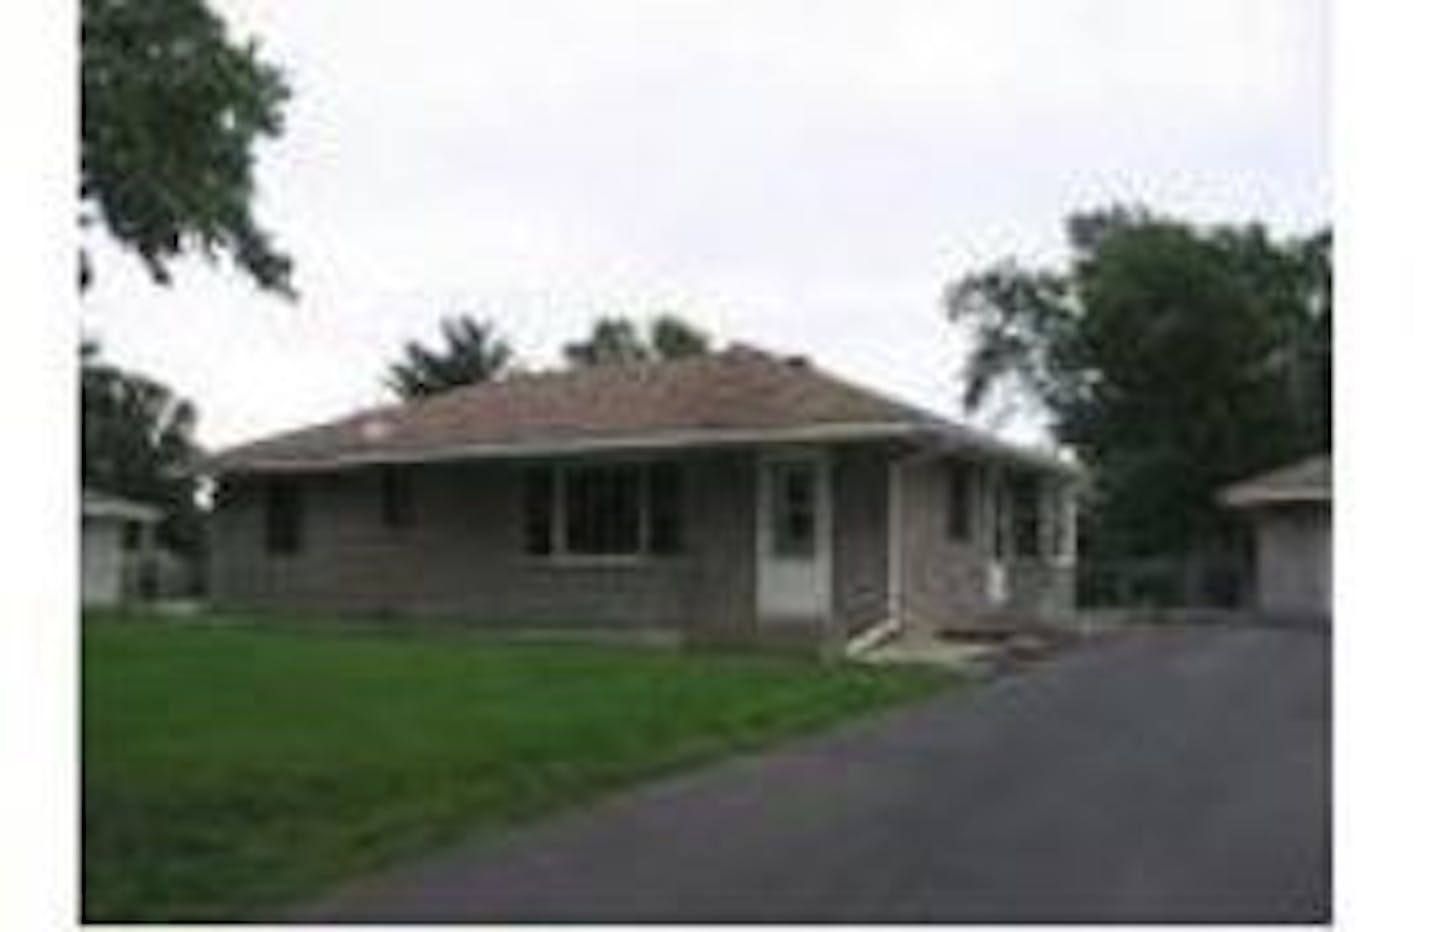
column 1025, row 513
column 666, row 537
column 960, row 504
column 602, row 511
column 792, row 499
column 130, row 536
column 283, row 517
column 999, row 518
column 397, row 504
column 539, row 511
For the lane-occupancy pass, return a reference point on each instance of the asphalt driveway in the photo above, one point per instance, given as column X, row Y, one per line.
column 1167, row 775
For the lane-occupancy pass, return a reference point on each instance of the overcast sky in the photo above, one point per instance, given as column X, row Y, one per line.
column 804, row 176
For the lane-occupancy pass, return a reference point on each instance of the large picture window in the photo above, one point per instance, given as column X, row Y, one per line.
column 603, row 511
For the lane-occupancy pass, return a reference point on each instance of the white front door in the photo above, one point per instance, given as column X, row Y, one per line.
column 793, row 540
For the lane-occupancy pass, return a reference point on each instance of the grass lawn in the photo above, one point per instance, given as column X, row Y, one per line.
column 228, row 769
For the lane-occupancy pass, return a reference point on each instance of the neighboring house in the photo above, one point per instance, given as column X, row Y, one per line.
column 1289, row 509
column 116, row 537
column 735, row 498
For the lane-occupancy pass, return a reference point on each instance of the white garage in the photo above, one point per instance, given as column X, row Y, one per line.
column 115, row 536
column 1289, row 509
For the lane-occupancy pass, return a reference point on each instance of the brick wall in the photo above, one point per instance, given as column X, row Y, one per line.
column 861, row 537
column 462, row 558
column 945, row 579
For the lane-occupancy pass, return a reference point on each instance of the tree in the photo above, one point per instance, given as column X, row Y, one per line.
column 1172, row 359
column 137, row 441
column 613, row 340
column 473, row 351
column 170, row 110
column 618, row 340
column 673, row 338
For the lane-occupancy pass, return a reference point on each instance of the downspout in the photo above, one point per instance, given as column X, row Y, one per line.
column 894, row 543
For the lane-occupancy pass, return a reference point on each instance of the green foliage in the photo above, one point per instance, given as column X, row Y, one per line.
column 228, row 770
column 614, row 341
column 473, row 351
column 170, row 110
column 673, row 338
column 137, row 441
column 1173, row 359
column 618, row 340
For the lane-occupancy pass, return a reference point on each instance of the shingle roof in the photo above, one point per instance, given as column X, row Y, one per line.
column 738, row 394
column 1305, row 481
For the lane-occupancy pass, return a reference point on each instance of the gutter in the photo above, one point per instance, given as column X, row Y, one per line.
column 962, row 439
column 537, row 449
column 1255, row 498
column 896, row 522
column 947, row 437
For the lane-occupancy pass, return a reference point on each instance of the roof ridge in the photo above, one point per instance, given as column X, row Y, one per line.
column 562, row 371
column 451, row 396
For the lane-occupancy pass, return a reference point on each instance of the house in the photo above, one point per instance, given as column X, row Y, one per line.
column 1289, row 510
column 116, row 535
column 739, row 498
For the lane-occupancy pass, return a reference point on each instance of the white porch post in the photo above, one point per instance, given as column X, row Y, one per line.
column 896, row 531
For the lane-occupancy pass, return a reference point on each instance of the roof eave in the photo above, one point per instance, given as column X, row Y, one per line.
column 952, row 438
column 700, row 438
column 1259, row 498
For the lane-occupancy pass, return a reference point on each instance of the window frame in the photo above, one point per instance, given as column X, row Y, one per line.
column 958, row 531
column 559, row 476
column 284, row 536
column 1063, row 516
column 530, row 530
column 397, row 498
column 1023, row 545
column 783, row 545
column 624, row 497
column 999, row 523
column 675, row 472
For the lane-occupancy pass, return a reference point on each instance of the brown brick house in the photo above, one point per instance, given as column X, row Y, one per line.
column 735, row 498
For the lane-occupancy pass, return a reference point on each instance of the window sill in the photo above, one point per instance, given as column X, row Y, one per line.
column 600, row 561
column 1041, row 560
